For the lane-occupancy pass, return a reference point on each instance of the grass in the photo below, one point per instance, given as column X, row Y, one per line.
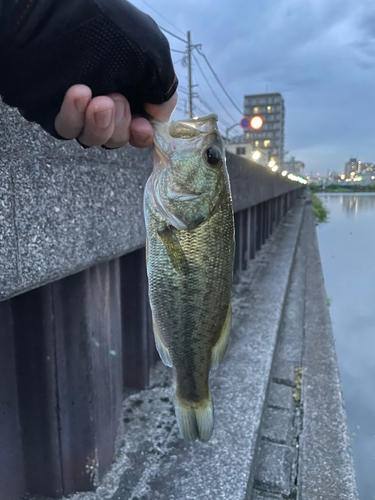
column 342, row 188
column 298, row 387
column 320, row 211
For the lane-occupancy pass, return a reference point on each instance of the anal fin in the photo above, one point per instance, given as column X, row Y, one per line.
column 220, row 347
column 160, row 346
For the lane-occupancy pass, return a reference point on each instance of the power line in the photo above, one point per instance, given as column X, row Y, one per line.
column 189, row 52
column 161, row 15
column 201, row 111
column 172, row 34
column 218, row 81
column 212, row 90
column 211, row 110
column 180, row 109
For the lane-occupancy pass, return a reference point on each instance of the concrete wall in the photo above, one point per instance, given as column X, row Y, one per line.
column 64, row 209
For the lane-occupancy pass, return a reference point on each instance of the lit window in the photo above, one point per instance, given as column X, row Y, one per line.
column 267, row 143
column 257, row 144
column 269, row 108
column 256, row 110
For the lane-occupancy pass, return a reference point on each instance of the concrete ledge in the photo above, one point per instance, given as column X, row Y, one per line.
column 326, row 468
column 305, row 451
column 64, row 209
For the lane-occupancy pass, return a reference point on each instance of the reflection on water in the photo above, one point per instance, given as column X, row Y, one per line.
column 354, row 203
column 347, row 245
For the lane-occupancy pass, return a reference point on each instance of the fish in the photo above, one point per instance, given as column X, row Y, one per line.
column 189, row 255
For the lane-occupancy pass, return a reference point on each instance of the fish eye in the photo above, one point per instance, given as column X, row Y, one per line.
column 212, row 155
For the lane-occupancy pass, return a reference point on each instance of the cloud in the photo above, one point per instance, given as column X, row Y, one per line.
column 320, row 55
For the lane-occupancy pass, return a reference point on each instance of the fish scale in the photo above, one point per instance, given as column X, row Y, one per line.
column 190, row 270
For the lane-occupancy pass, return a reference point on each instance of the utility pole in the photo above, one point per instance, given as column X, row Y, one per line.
column 190, row 82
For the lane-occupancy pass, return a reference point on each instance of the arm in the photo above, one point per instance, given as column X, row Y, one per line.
column 107, row 46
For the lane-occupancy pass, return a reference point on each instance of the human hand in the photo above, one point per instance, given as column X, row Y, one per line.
column 117, row 54
column 107, row 120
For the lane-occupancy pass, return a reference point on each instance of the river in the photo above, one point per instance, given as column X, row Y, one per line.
column 347, row 248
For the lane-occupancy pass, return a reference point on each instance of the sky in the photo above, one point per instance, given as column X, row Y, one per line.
column 319, row 54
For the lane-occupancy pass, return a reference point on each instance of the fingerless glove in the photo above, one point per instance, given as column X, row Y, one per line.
column 108, row 45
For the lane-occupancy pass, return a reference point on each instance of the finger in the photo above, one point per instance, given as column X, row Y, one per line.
column 122, row 120
column 162, row 111
column 141, row 133
column 71, row 118
column 99, row 122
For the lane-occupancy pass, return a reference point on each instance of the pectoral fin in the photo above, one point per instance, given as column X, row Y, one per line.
column 160, row 346
column 174, row 250
column 220, row 347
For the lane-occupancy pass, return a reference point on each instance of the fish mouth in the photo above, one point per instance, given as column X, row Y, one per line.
column 193, row 129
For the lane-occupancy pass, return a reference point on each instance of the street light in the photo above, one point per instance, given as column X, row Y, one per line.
column 230, row 128
column 256, row 122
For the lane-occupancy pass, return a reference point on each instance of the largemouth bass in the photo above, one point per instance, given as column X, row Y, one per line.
column 190, row 251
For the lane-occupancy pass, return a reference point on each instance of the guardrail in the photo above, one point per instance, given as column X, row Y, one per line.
column 75, row 324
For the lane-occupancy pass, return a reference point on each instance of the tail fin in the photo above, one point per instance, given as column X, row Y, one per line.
column 195, row 423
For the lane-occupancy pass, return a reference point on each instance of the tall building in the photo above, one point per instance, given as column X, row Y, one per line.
column 352, row 167
column 269, row 137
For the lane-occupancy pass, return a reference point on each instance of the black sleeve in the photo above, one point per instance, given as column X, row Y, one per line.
column 7, row 8
column 109, row 45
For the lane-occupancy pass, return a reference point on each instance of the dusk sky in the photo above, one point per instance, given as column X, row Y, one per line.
column 319, row 54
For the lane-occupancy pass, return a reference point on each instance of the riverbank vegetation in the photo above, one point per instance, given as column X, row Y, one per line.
column 342, row 188
column 320, row 211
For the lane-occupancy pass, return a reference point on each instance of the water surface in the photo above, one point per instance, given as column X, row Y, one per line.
column 347, row 247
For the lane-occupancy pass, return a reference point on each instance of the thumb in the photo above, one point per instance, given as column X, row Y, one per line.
column 162, row 111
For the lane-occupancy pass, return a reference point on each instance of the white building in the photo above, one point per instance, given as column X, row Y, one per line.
column 294, row 166
column 352, row 168
column 270, row 137
column 246, row 150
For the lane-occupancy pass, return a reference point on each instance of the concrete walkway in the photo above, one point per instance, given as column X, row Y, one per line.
column 272, row 440
column 305, row 448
